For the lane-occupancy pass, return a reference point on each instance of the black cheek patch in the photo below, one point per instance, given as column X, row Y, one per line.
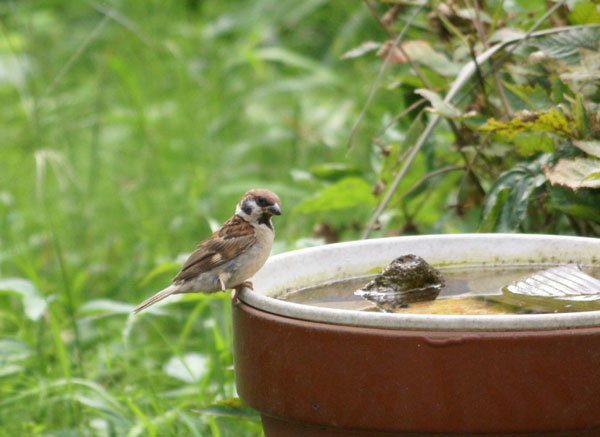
column 265, row 219
column 247, row 208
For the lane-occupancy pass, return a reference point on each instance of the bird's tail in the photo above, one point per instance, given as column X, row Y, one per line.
column 163, row 294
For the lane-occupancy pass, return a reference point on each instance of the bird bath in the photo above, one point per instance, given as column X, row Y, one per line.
column 316, row 371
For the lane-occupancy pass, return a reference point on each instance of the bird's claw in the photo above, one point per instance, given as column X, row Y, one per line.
column 238, row 288
column 245, row 284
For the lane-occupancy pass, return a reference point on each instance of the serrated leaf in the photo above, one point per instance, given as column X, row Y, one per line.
column 233, row 407
column 535, row 97
column 589, row 147
column 587, row 71
column 564, row 46
column 551, row 121
column 33, row 304
column 575, row 173
column 505, row 205
column 365, row 47
column 346, row 193
column 438, row 106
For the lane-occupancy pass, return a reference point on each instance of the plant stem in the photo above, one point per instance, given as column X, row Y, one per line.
column 463, row 77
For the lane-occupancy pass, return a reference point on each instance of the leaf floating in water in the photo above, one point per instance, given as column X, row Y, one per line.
column 565, row 288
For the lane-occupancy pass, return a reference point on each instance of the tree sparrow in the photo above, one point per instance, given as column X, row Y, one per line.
column 234, row 253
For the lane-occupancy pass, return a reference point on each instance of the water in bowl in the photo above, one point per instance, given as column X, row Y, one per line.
column 474, row 290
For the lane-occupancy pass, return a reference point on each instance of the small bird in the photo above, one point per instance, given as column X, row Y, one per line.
column 230, row 256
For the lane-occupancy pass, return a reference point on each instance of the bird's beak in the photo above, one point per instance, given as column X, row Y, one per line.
column 275, row 209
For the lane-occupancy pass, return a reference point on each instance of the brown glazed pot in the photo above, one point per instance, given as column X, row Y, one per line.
column 325, row 372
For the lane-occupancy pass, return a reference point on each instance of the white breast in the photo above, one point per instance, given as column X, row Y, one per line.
column 248, row 263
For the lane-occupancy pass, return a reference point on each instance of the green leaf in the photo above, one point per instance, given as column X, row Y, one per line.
column 560, row 90
column 333, row 171
column 423, row 53
column 365, row 47
column 106, row 306
column 391, row 162
column 584, row 75
column 580, row 115
column 527, row 5
column 575, row 173
column 164, row 267
column 10, row 369
column 471, row 14
column 582, row 203
column 233, row 408
column 290, row 58
column 420, row 52
column 536, row 98
column 551, row 121
column 565, row 46
column 34, row 304
column 505, row 205
column 589, row 147
column 347, row 193
column 188, row 368
column 530, row 143
column 13, row 350
column 584, row 12
column 12, row 353
column 438, row 106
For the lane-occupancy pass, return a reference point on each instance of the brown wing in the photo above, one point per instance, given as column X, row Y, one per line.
column 233, row 238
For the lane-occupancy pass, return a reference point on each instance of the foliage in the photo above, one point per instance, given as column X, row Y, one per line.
column 516, row 125
column 551, row 121
column 130, row 129
column 505, row 206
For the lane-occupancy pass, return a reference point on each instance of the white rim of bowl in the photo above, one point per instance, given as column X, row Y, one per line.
column 579, row 249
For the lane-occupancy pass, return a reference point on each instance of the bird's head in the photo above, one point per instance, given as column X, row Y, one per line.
column 258, row 206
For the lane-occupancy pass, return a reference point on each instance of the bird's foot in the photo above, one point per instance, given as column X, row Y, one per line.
column 245, row 284
column 239, row 287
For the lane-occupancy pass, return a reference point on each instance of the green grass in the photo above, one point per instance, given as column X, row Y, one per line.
column 127, row 129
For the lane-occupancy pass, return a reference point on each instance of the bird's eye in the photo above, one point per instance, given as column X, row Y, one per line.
column 261, row 201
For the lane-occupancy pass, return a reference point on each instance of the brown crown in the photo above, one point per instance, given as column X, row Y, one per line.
column 269, row 196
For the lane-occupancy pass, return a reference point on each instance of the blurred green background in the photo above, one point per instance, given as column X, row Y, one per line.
column 130, row 129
